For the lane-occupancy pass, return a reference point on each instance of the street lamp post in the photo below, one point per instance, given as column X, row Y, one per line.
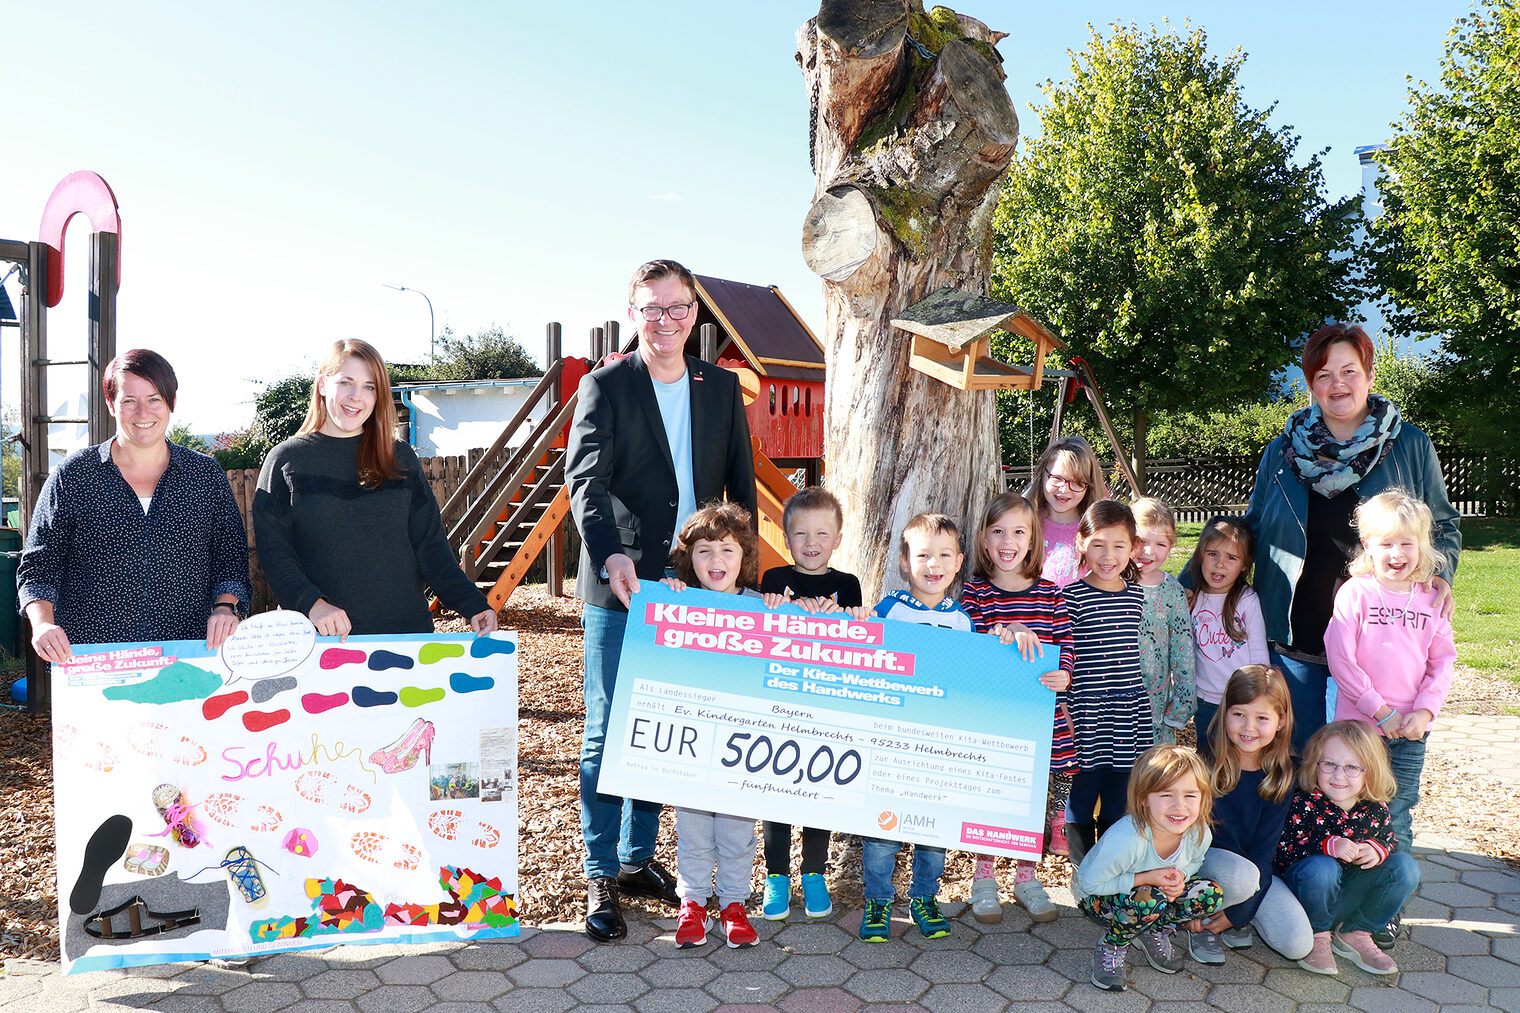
column 432, row 330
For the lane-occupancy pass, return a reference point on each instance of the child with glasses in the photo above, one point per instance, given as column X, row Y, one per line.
column 1337, row 852
column 1067, row 479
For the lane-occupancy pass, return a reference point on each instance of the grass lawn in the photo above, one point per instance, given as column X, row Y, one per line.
column 1487, row 620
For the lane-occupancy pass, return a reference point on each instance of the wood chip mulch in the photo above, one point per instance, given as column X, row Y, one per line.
column 1460, row 802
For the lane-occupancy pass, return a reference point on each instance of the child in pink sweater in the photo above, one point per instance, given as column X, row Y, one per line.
column 1390, row 651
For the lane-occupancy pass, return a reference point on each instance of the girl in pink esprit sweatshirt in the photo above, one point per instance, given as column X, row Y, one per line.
column 1390, row 649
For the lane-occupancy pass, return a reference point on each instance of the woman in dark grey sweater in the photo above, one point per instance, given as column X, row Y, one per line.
column 348, row 531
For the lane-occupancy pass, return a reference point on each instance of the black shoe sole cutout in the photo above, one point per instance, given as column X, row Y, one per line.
column 107, row 844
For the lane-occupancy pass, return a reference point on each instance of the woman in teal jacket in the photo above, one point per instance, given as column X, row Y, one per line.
column 1346, row 447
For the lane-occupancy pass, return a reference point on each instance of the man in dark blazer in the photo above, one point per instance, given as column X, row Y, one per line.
column 656, row 434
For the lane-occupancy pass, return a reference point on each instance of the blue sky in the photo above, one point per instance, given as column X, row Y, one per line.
column 275, row 164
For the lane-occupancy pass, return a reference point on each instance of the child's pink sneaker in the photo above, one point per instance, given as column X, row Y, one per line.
column 1359, row 948
column 1057, row 843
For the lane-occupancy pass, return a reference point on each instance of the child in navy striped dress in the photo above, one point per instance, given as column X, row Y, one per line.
column 1008, row 592
column 1110, row 709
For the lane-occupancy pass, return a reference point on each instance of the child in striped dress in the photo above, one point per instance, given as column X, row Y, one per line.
column 1008, row 592
column 1110, row 708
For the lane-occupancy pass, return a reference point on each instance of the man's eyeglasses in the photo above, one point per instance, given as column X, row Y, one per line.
column 1351, row 770
column 1067, row 483
column 677, row 312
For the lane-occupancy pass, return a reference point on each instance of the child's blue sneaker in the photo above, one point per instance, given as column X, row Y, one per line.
column 815, row 896
column 926, row 915
column 778, row 898
column 876, row 923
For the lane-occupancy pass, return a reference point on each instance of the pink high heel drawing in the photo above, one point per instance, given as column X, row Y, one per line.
column 402, row 754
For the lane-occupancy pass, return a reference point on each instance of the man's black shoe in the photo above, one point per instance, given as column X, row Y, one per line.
column 650, row 880
column 604, row 918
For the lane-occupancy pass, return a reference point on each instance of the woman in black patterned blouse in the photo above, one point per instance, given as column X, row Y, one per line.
column 138, row 539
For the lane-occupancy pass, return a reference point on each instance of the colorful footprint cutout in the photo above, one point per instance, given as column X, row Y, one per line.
column 257, row 721
column 366, row 697
column 464, row 682
column 380, row 661
column 172, row 684
column 318, row 703
column 484, row 647
column 337, row 657
column 415, row 696
column 384, row 850
column 152, row 738
column 437, row 652
column 67, row 741
column 267, row 689
column 452, row 824
column 233, row 810
column 324, row 788
column 215, row 706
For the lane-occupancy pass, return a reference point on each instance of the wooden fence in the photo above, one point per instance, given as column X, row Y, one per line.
column 1200, row 487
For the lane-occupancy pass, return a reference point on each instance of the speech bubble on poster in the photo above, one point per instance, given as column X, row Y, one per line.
column 269, row 644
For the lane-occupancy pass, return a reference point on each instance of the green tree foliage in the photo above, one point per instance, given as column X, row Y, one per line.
column 10, row 453
column 180, row 433
column 280, row 407
column 1447, row 248
column 277, row 413
column 492, row 354
column 1161, row 226
column 239, row 450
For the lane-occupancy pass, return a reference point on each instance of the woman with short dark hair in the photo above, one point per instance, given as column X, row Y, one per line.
column 1346, row 447
column 138, row 539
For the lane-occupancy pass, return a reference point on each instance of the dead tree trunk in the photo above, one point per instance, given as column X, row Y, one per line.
column 912, row 131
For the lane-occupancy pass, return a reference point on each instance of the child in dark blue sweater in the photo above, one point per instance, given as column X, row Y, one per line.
column 1251, row 736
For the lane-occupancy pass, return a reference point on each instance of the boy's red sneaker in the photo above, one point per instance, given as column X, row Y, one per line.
column 691, row 927
column 736, row 926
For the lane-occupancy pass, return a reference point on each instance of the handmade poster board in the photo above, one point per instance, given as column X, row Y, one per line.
column 287, row 792
column 887, row 729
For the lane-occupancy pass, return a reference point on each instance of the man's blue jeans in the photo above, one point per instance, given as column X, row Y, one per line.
column 1355, row 899
column 616, row 830
column 878, row 860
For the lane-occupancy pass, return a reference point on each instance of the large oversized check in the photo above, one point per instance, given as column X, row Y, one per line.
column 882, row 728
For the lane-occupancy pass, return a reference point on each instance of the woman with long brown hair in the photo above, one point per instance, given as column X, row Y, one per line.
column 348, row 530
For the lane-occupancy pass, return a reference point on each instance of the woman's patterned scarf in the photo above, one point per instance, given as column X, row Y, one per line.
column 1328, row 466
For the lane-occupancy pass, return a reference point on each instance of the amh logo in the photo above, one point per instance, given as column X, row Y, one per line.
column 887, row 819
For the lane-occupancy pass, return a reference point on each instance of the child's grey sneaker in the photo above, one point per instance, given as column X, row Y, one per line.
column 1236, row 939
column 985, row 905
column 1031, row 893
column 1205, row 948
column 1160, row 948
column 1108, row 966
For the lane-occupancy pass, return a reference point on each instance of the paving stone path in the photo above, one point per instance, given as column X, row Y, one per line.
column 1463, row 955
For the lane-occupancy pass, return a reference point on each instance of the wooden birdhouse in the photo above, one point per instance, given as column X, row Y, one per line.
column 952, row 335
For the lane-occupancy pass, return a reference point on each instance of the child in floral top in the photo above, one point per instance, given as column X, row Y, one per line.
column 1337, row 852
